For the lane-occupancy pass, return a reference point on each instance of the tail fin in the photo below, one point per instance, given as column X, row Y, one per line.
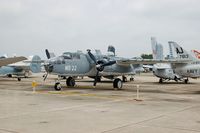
column 36, row 65
column 111, row 49
column 179, row 52
column 157, row 49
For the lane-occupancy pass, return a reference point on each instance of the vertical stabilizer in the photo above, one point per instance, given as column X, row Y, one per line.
column 179, row 52
column 111, row 49
column 157, row 49
column 153, row 46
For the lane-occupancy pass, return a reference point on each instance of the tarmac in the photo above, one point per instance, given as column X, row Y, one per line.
column 163, row 108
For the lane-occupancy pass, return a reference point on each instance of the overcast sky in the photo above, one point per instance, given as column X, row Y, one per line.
column 28, row 27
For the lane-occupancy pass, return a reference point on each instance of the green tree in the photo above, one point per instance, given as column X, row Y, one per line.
column 147, row 56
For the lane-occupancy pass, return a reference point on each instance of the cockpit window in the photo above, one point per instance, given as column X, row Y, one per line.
column 68, row 55
column 76, row 56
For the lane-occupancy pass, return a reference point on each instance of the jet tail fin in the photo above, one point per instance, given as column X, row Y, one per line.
column 180, row 53
column 157, row 49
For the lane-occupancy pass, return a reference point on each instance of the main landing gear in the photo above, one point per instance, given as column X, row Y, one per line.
column 117, row 83
column 160, row 80
column 69, row 82
column 186, row 81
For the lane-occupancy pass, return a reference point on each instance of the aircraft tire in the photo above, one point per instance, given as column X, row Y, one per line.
column 57, row 86
column 131, row 79
column 117, row 83
column 160, row 80
column 9, row 75
column 19, row 79
column 70, row 82
column 124, row 79
column 186, row 81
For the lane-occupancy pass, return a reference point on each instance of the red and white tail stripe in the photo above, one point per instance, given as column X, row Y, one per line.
column 196, row 53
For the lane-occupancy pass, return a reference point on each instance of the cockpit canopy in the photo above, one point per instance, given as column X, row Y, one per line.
column 69, row 55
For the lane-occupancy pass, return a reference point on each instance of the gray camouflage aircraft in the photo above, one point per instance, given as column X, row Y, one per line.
column 187, row 65
column 76, row 64
column 22, row 68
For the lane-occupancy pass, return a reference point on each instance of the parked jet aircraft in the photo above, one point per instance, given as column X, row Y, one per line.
column 176, row 71
column 79, row 64
column 23, row 68
column 185, row 70
column 163, row 71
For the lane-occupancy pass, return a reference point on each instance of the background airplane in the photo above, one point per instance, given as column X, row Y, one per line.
column 187, row 70
column 176, row 71
column 163, row 71
column 23, row 68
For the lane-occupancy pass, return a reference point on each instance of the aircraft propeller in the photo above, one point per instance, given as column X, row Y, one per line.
column 99, row 65
column 47, row 54
column 48, row 67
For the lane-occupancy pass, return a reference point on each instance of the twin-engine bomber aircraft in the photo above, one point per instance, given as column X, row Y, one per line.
column 79, row 64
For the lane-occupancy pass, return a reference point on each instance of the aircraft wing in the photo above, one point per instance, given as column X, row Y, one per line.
column 10, row 60
column 126, row 62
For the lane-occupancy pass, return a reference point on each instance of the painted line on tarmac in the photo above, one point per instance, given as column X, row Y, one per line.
column 75, row 93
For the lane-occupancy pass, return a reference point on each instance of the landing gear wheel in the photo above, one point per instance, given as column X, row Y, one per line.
column 186, row 81
column 9, row 75
column 124, row 79
column 160, row 80
column 131, row 79
column 117, row 83
column 19, row 79
column 70, row 82
column 57, row 86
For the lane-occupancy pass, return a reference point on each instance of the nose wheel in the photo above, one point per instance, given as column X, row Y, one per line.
column 57, row 86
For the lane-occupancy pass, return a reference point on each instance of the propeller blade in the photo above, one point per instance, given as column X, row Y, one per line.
column 96, row 78
column 92, row 56
column 47, row 54
column 109, row 63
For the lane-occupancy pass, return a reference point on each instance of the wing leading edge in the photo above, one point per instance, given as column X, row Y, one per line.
column 126, row 62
